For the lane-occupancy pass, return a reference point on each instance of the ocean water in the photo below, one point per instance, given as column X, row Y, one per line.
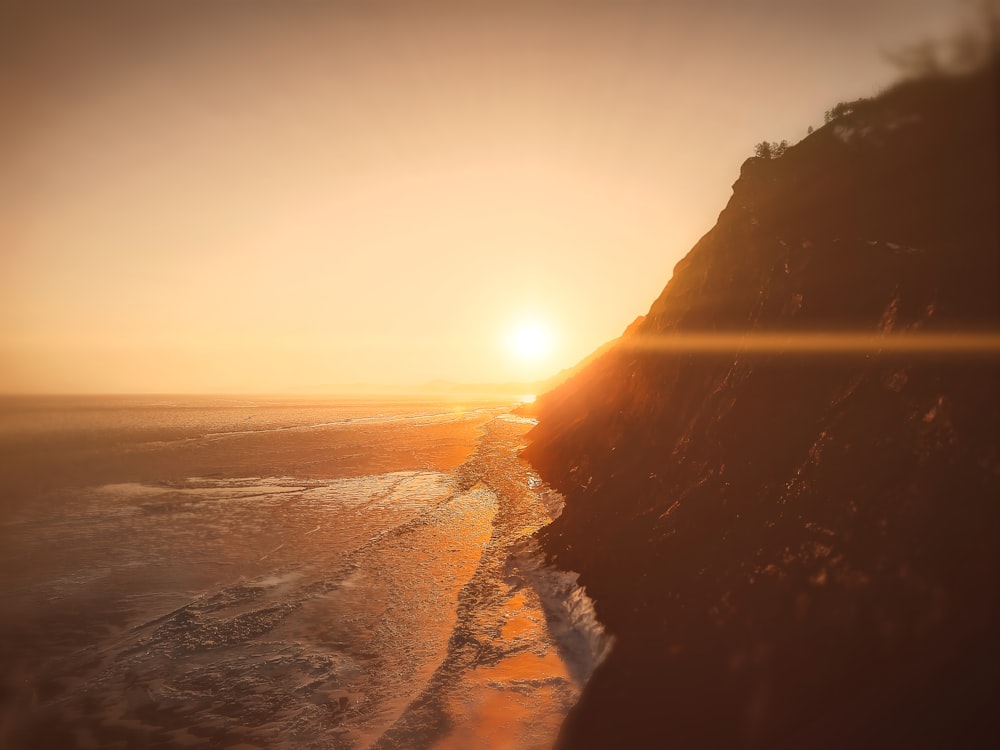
column 279, row 573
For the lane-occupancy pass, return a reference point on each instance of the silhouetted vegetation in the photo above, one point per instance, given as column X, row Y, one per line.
column 843, row 109
column 770, row 150
column 973, row 45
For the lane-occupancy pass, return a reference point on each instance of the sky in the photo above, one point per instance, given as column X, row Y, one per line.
column 241, row 196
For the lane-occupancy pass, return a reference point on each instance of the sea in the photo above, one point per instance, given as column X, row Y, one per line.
column 265, row 572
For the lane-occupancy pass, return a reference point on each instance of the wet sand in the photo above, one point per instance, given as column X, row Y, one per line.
column 159, row 595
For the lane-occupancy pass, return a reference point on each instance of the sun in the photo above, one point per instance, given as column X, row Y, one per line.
column 530, row 340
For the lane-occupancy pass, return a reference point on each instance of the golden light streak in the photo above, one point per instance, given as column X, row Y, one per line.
column 834, row 342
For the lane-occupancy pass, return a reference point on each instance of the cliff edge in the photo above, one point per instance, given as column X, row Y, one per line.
column 792, row 548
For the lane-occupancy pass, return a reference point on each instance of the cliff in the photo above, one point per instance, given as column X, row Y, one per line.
column 801, row 549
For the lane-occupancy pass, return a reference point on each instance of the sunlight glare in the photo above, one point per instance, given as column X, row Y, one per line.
column 530, row 340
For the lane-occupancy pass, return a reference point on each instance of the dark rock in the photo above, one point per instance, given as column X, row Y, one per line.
column 802, row 550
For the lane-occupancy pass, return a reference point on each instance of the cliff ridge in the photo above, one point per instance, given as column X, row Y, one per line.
column 796, row 548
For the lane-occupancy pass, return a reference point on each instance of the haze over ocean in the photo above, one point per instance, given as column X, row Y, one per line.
column 255, row 197
column 281, row 573
column 446, row 197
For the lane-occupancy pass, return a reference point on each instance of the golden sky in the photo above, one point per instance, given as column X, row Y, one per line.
column 209, row 196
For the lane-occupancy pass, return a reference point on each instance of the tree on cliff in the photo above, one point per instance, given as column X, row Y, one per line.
column 770, row 150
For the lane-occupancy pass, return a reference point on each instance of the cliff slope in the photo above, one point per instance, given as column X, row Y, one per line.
column 802, row 550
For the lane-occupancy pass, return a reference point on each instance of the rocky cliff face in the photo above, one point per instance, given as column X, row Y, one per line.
column 803, row 550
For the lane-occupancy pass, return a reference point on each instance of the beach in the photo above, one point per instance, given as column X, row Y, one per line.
column 281, row 573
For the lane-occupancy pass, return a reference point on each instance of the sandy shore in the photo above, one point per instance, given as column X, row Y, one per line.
column 324, row 585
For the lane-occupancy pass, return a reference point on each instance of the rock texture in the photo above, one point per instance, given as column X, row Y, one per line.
column 803, row 550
